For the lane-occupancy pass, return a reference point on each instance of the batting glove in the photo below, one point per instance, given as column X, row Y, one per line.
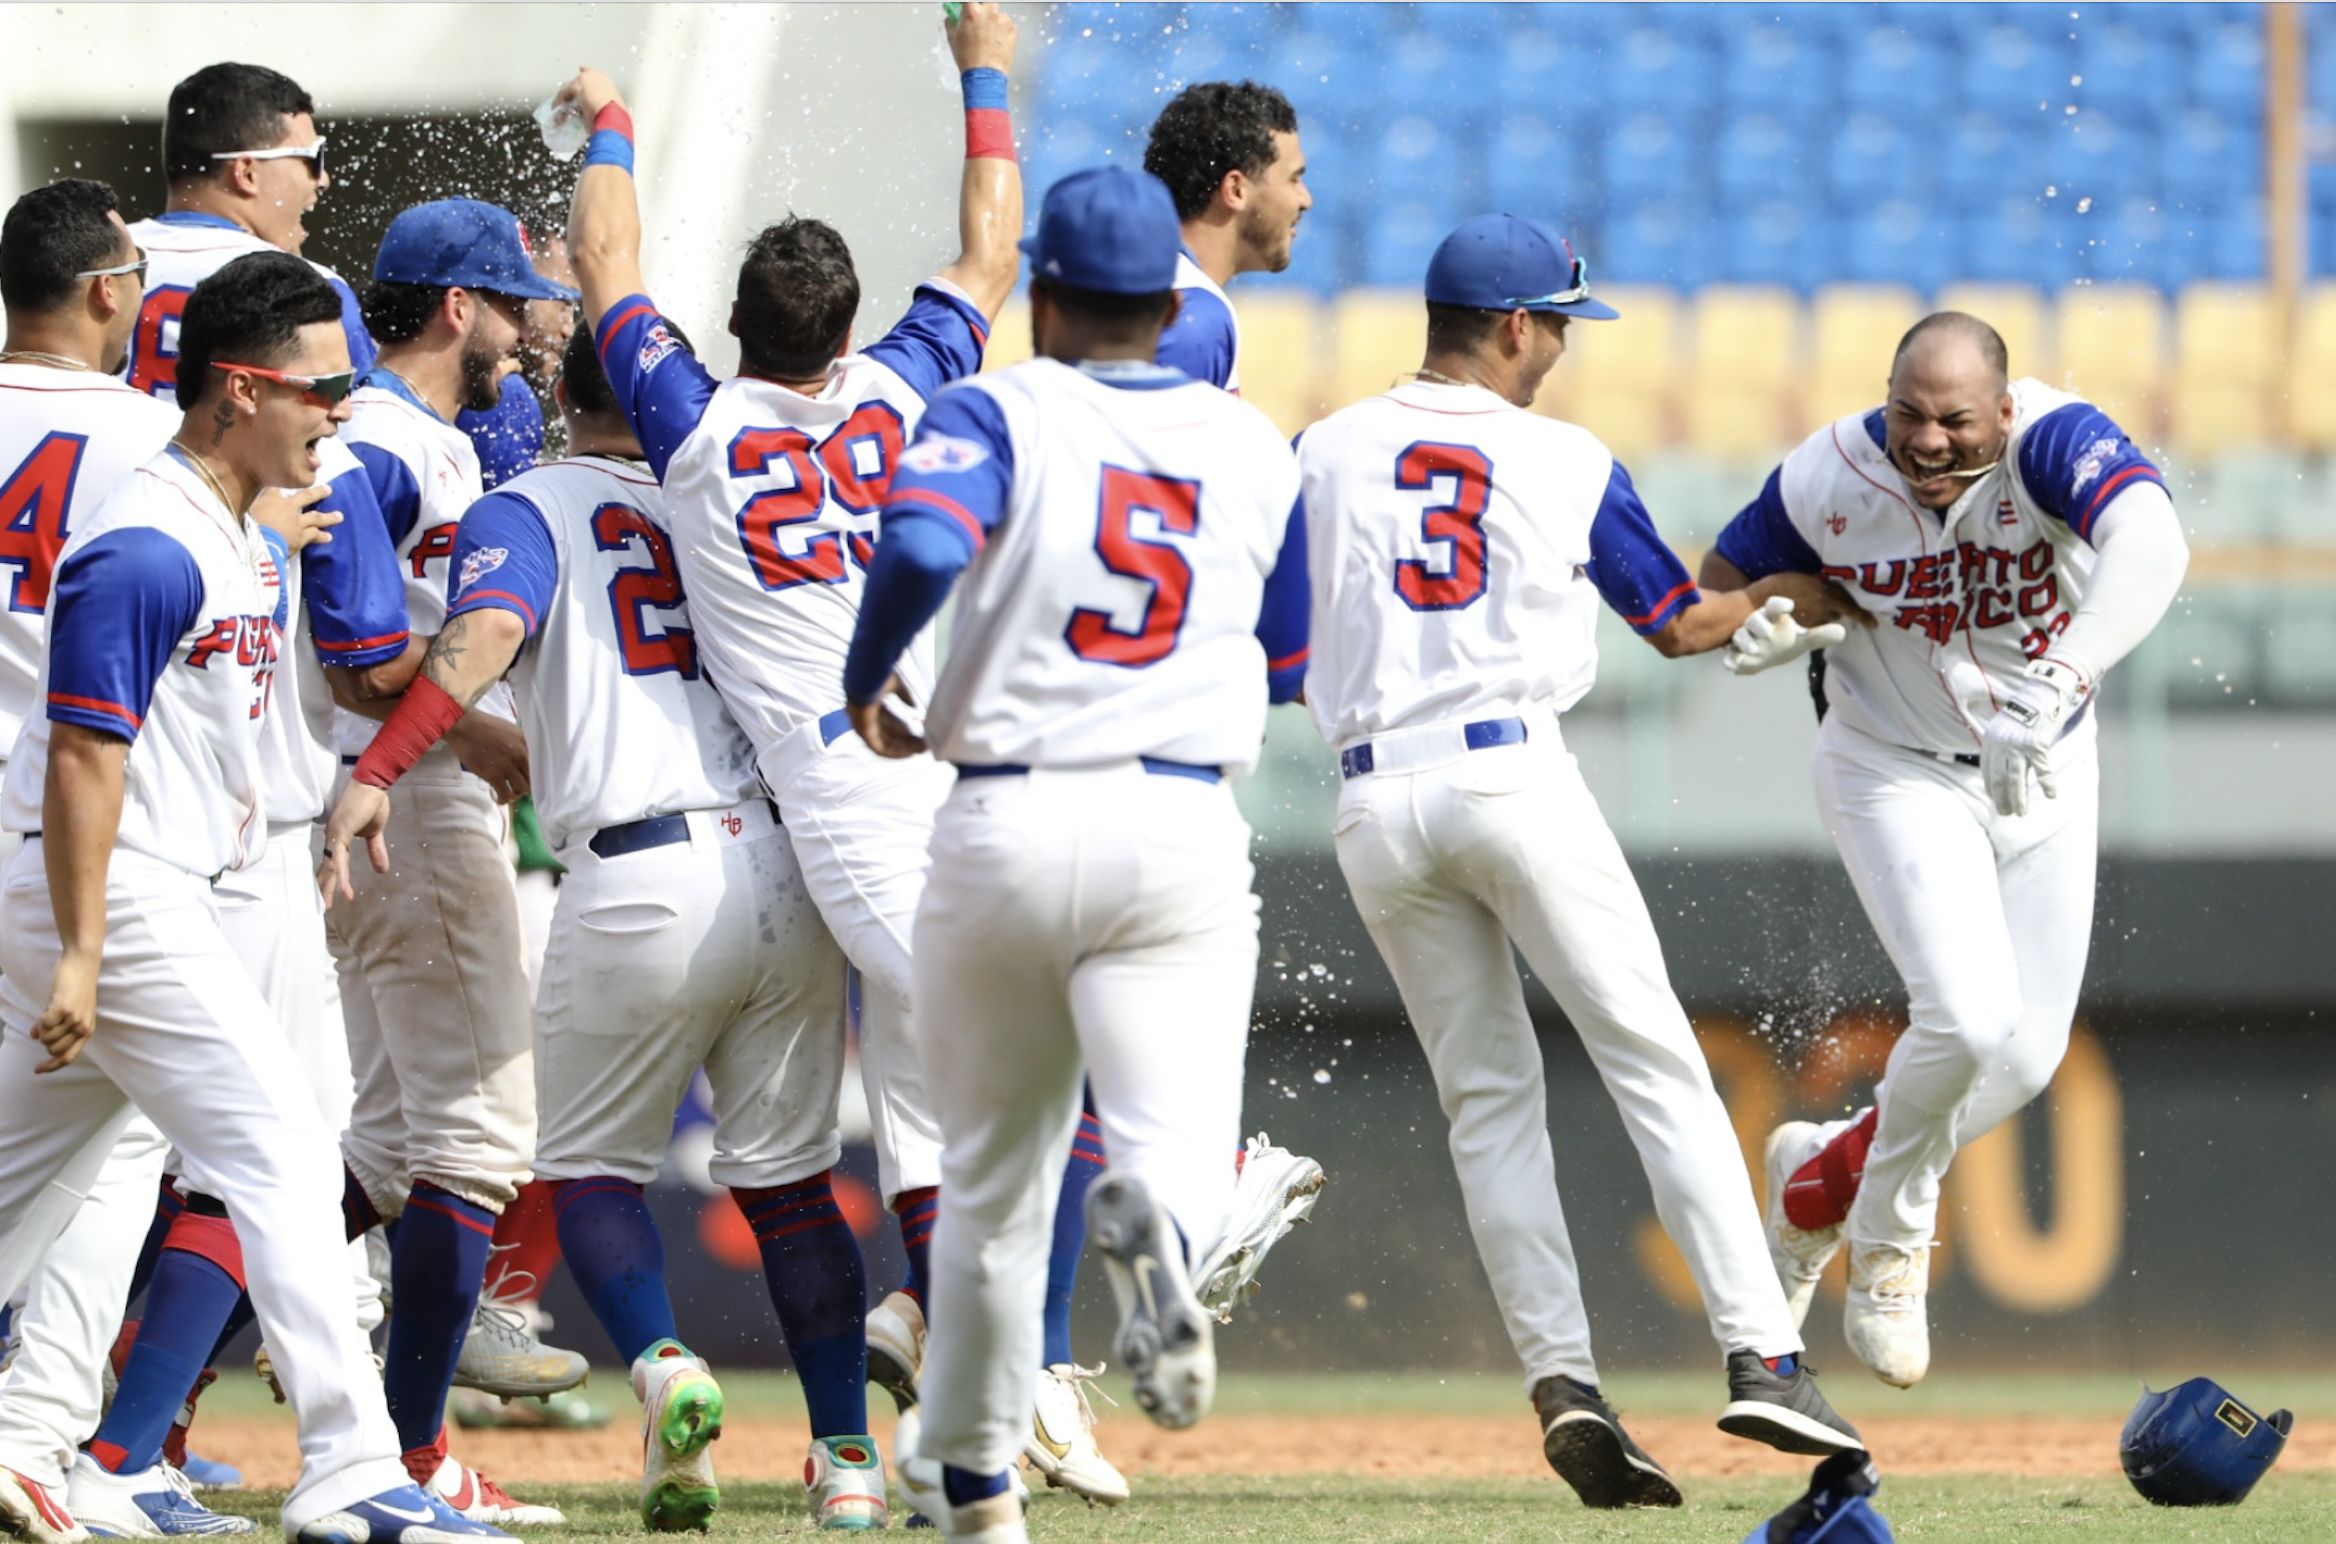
column 2021, row 735
column 1770, row 637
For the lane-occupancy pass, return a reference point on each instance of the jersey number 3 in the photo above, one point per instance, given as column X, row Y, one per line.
column 635, row 592
column 1458, row 527
column 1174, row 504
column 32, row 516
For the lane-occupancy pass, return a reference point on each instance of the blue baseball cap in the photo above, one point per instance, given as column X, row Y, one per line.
column 1111, row 229
column 460, row 241
column 1499, row 262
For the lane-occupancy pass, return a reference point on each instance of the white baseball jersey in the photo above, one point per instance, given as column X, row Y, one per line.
column 773, row 496
column 68, row 438
column 1963, row 599
column 1459, row 548
column 621, row 722
column 163, row 631
column 1204, row 340
column 183, row 248
column 1120, row 522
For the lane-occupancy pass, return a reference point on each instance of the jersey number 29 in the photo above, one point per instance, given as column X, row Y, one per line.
column 853, row 466
column 1458, row 527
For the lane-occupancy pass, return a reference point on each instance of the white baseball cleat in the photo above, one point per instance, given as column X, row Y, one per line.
column 401, row 1516
column 1062, row 1437
column 1800, row 1255
column 472, row 1496
column 991, row 1520
column 681, row 1415
column 843, row 1479
column 1166, row 1339
column 1276, row 1191
column 896, row 1347
column 1885, row 1319
column 36, row 1513
column 501, row 1354
column 155, row 1503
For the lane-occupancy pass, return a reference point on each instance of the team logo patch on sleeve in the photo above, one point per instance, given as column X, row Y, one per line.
column 478, row 565
column 944, row 453
column 2088, row 466
column 656, row 344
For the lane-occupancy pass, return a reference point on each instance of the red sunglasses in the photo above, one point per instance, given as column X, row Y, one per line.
column 323, row 390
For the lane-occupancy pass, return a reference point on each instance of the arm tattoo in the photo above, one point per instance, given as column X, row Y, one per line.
column 443, row 661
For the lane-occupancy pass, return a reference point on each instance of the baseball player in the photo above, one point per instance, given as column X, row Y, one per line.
column 683, row 934
column 133, row 790
column 1459, row 547
column 433, row 984
column 1089, row 911
column 773, row 483
column 2005, row 544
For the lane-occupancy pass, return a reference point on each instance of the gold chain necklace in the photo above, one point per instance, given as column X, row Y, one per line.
column 194, row 458
column 34, row 356
column 1423, row 373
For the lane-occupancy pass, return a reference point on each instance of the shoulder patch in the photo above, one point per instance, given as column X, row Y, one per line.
column 478, row 565
column 944, row 453
column 2090, row 461
column 657, row 344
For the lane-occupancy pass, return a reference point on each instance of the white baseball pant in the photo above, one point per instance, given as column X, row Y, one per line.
column 1988, row 919
column 184, row 1034
column 1448, row 863
column 703, row 951
column 1095, row 924
column 436, row 999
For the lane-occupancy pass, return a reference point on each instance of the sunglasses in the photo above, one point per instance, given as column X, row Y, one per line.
column 138, row 267
column 1564, row 297
column 323, row 390
column 312, row 154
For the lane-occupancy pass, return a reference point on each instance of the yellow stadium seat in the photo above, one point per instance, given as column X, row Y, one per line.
column 1744, row 368
column 1620, row 379
column 2112, row 352
column 2311, row 371
column 2229, row 363
column 1381, row 335
column 2016, row 313
column 1853, row 330
column 1283, row 342
column 1009, row 336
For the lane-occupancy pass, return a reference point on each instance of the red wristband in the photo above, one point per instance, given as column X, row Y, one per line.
column 989, row 134
column 419, row 721
column 614, row 116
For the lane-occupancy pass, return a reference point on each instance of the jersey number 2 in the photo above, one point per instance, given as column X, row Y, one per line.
column 1458, row 526
column 32, row 516
column 1173, row 503
column 635, row 592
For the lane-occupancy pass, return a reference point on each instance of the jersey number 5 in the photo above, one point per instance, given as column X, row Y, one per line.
column 853, row 466
column 1173, row 503
column 1458, row 526
column 32, row 516
column 635, row 592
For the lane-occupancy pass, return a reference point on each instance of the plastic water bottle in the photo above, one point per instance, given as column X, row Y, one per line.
column 564, row 128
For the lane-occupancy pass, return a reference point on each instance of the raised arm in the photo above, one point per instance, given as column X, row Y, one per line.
column 604, row 220
column 989, row 195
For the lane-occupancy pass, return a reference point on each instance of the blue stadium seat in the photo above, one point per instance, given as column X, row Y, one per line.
column 2097, row 157
column 2020, row 241
column 1872, row 158
column 1779, row 71
column 1661, row 67
column 1426, row 73
column 2226, row 69
column 1662, row 240
column 1886, row 69
column 1340, row 167
column 1536, row 69
column 1646, row 156
column 2132, row 240
column 1400, row 237
column 2018, row 72
column 1898, row 241
column 2125, row 65
column 1535, row 167
column 1758, row 160
column 2204, row 157
column 1416, row 160
column 1983, row 163
column 2234, row 246
column 1473, row 25
column 1787, row 242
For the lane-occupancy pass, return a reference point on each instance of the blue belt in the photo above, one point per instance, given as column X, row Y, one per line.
column 1357, row 760
column 641, row 835
column 1155, row 765
column 834, row 726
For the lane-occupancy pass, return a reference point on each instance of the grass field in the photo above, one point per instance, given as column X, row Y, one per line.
column 2295, row 1502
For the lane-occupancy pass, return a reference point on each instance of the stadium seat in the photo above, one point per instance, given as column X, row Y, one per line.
column 1886, row 70
column 1658, row 241
column 1534, row 168
column 2018, row 72
column 1743, row 373
column 2311, row 371
column 2017, row 313
column 1427, row 73
column 1854, row 329
column 1416, row 160
column 2226, row 69
column 2124, row 66
column 2299, row 648
column 1871, row 159
column 2228, row 502
column 1617, row 378
column 1779, row 69
column 1899, row 239
column 2211, row 640
column 1381, row 335
column 1661, row 66
column 1284, row 339
column 1759, row 159
column 1983, row 164
column 2111, row 351
column 2204, row 157
column 2227, row 363
column 1783, row 242
column 1648, row 156
column 1400, row 238
column 2023, row 240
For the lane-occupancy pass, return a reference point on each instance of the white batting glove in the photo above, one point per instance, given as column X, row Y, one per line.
column 1771, row 637
column 2020, row 737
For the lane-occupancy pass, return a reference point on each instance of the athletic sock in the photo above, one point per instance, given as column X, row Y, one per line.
column 1783, row 1366
column 197, row 1279
column 1070, row 1234
column 819, row 1285
column 1820, row 1191
column 918, row 1211
column 168, row 1203
column 527, row 1241
column 435, row 1268
column 617, row 1257
column 964, row 1487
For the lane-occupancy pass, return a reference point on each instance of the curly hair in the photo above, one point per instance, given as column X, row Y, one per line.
column 1213, row 128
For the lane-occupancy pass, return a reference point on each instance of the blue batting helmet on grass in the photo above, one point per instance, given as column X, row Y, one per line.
column 1834, row 1510
column 2196, row 1445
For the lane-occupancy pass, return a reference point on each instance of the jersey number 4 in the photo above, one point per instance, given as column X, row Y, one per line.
column 32, row 516
column 1457, row 527
column 1172, row 504
column 635, row 592
column 853, row 466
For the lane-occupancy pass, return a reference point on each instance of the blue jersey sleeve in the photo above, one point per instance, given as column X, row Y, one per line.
column 658, row 382
column 121, row 605
column 507, row 436
column 1200, row 340
column 396, row 495
column 940, row 340
column 1287, row 613
column 949, row 493
column 2075, row 460
column 503, row 558
column 279, row 553
column 355, row 597
column 1631, row 564
column 362, row 352
column 1762, row 539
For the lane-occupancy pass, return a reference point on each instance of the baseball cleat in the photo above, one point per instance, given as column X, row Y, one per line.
column 401, row 1516
column 843, row 1479
column 1885, row 1319
column 1166, row 1340
column 681, row 1415
column 1585, row 1443
column 473, row 1497
column 1800, row 1255
column 263, row 1367
column 501, row 1354
column 210, row 1474
column 36, row 1513
column 1786, row 1411
column 155, row 1503
column 896, row 1347
column 571, row 1410
column 1062, row 1437
column 991, row 1520
column 1276, row 1191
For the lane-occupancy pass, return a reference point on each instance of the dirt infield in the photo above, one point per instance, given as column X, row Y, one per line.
column 1390, row 1447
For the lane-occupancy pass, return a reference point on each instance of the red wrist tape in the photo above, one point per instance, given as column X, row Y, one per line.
column 614, row 116
column 989, row 134
column 420, row 721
